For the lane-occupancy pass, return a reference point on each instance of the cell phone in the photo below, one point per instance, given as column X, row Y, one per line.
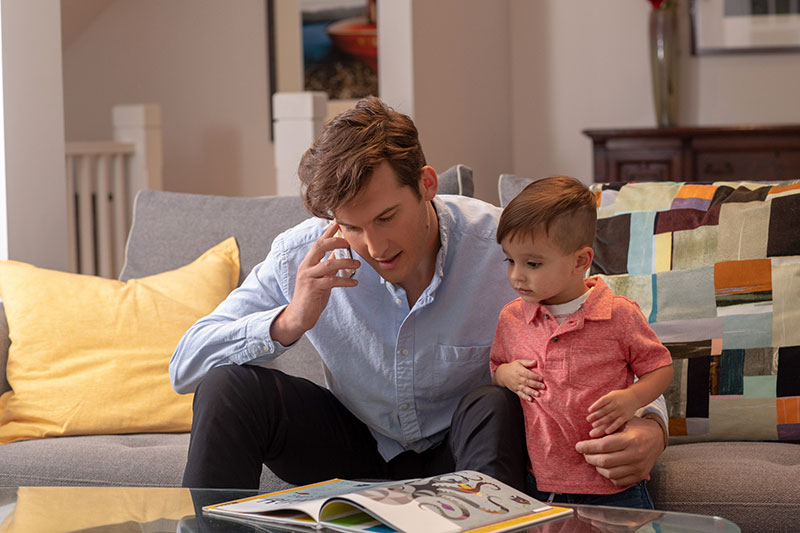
column 345, row 253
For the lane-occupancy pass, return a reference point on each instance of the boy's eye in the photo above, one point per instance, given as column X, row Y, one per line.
column 386, row 219
column 509, row 260
column 533, row 264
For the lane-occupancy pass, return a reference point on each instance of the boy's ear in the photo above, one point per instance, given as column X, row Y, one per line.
column 583, row 258
column 428, row 183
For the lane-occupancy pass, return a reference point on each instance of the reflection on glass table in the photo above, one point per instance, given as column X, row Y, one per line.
column 125, row 509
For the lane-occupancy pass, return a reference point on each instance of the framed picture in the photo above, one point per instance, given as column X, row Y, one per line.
column 745, row 26
column 340, row 47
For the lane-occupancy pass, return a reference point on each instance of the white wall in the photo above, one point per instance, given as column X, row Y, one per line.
column 204, row 62
column 34, row 189
column 578, row 65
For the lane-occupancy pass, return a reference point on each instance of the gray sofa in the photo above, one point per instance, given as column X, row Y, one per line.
column 755, row 484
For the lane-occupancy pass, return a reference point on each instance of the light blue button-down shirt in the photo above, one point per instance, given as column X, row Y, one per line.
column 401, row 371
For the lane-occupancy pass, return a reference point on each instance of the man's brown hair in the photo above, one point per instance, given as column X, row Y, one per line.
column 351, row 146
column 561, row 206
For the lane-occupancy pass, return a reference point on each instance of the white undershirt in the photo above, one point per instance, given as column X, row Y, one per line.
column 561, row 311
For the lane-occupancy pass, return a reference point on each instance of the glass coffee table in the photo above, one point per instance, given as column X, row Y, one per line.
column 122, row 509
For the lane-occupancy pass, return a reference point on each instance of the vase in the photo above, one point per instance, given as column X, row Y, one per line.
column 664, row 63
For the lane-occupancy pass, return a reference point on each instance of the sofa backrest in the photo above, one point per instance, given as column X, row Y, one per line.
column 171, row 229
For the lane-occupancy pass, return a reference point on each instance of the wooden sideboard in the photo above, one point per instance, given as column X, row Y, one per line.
column 700, row 154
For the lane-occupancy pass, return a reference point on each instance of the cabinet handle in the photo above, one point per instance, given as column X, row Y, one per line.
column 724, row 168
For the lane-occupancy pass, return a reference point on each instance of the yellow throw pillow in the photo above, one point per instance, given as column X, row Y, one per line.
column 90, row 355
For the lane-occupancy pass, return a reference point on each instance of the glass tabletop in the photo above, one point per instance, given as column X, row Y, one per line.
column 125, row 509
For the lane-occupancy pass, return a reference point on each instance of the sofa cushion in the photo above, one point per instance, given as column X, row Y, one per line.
column 716, row 269
column 457, row 180
column 136, row 460
column 89, row 355
column 510, row 185
column 754, row 484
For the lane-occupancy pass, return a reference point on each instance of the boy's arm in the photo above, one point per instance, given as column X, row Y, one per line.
column 614, row 409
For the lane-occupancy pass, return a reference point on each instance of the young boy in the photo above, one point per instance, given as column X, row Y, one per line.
column 586, row 343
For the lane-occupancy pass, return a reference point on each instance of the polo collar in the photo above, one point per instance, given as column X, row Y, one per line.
column 596, row 307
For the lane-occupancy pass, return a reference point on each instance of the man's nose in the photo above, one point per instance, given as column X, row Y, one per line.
column 376, row 244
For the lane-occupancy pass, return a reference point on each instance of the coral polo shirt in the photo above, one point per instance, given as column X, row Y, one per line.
column 597, row 349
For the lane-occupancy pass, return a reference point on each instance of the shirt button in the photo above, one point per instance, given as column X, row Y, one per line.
column 404, row 406
column 547, row 316
column 555, row 339
column 398, row 301
column 404, row 351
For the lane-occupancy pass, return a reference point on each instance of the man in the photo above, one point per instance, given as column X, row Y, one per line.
column 405, row 340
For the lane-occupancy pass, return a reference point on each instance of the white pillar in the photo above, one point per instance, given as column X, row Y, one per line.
column 33, row 216
column 298, row 121
column 140, row 124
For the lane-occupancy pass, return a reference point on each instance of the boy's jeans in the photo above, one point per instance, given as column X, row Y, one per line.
column 635, row 496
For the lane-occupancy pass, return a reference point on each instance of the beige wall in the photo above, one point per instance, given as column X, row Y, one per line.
column 578, row 65
column 204, row 62
column 450, row 72
column 500, row 85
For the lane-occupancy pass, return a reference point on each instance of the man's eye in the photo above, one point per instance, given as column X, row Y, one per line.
column 509, row 260
column 534, row 265
column 386, row 219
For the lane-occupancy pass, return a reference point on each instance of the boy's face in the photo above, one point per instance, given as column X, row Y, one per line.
column 542, row 272
column 391, row 228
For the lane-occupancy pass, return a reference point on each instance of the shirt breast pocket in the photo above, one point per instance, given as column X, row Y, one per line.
column 597, row 363
column 459, row 369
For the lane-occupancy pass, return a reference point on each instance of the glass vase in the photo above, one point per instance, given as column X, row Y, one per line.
column 664, row 63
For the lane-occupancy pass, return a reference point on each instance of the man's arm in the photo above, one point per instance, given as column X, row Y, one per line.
column 242, row 329
column 316, row 278
column 628, row 456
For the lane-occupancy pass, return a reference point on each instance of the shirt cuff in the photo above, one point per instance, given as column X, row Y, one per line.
column 657, row 410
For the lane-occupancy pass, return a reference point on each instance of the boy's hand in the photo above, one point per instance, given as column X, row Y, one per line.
column 517, row 377
column 611, row 412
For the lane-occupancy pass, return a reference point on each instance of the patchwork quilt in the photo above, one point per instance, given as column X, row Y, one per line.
column 716, row 269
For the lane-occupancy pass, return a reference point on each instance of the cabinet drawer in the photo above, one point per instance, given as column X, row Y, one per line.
column 748, row 165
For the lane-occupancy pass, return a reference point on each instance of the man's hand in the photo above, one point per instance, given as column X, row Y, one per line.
column 316, row 276
column 611, row 411
column 517, row 377
column 625, row 457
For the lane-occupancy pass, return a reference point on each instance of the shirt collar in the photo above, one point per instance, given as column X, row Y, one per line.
column 597, row 306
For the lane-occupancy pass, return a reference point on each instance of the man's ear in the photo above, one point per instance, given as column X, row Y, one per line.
column 583, row 258
column 428, row 183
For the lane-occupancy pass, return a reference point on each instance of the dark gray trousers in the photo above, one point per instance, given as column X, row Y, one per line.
column 246, row 416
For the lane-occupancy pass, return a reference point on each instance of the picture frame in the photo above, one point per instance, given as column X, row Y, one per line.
column 745, row 26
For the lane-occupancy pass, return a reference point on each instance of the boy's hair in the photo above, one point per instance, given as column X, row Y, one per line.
column 560, row 205
column 352, row 145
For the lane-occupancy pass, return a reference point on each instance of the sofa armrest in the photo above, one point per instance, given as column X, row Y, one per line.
column 5, row 342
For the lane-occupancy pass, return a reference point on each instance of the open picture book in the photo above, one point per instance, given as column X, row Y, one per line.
column 458, row 502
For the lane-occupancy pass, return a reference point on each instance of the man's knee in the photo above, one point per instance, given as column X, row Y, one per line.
column 491, row 400
column 232, row 387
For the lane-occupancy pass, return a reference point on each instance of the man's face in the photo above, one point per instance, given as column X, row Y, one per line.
column 393, row 229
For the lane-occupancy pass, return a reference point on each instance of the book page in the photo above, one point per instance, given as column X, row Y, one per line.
column 455, row 502
column 300, row 504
